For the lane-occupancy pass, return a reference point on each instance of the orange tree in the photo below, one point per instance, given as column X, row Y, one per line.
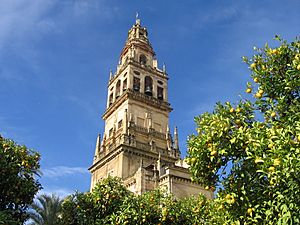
column 18, row 185
column 251, row 149
column 94, row 207
column 144, row 209
column 111, row 203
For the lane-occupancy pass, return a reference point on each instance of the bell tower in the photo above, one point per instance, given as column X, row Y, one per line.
column 137, row 144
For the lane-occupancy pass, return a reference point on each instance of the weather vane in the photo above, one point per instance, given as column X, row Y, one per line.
column 137, row 20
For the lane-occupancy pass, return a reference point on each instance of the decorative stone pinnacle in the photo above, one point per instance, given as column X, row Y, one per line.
column 176, row 141
column 110, row 74
column 164, row 67
column 98, row 146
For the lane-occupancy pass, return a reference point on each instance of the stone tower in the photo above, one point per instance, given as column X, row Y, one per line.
column 137, row 145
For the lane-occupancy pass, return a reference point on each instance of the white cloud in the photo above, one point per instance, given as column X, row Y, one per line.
column 84, row 104
column 24, row 20
column 61, row 171
column 61, row 192
column 11, row 130
column 100, row 7
column 24, row 24
column 19, row 19
column 200, row 108
column 208, row 17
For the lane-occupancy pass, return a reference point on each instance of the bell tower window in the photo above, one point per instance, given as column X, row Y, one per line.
column 143, row 59
column 111, row 99
column 148, row 85
column 160, row 93
column 124, row 84
column 136, row 84
column 120, row 124
column 118, row 88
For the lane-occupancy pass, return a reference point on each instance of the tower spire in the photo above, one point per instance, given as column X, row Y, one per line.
column 98, row 146
column 110, row 74
column 168, row 138
column 176, row 142
column 158, row 162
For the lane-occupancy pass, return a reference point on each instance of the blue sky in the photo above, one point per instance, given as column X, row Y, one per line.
column 55, row 57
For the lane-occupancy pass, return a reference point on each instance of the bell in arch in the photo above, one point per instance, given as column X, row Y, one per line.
column 148, row 90
column 160, row 96
column 160, row 92
column 148, row 85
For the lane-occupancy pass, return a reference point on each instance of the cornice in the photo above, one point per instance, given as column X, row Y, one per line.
column 146, row 46
column 130, row 94
column 150, row 69
column 112, row 108
column 146, row 68
column 130, row 150
column 108, row 157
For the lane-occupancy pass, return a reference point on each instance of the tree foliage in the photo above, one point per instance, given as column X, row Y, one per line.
column 111, row 203
column 18, row 184
column 251, row 149
column 94, row 207
column 46, row 210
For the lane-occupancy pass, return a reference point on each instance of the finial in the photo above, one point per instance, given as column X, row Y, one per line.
column 110, row 74
column 176, row 141
column 125, row 125
column 150, row 123
column 130, row 117
column 137, row 20
column 98, row 146
column 159, row 164
column 164, row 67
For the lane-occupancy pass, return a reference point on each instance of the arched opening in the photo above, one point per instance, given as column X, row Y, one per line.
column 118, row 89
column 160, row 93
column 125, row 84
column 148, row 85
column 120, row 124
column 136, row 84
column 143, row 59
column 111, row 99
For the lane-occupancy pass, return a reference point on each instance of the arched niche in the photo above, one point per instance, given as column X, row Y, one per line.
column 143, row 59
column 118, row 89
column 148, row 85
